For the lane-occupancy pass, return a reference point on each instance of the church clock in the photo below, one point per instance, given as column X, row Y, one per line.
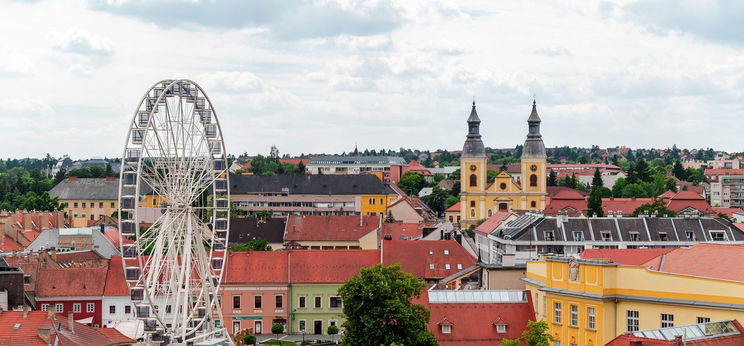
column 473, row 168
column 533, row 168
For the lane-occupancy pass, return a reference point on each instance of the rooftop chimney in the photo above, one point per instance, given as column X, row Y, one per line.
column 26, row 309
column 72, row 178
column 70, row 322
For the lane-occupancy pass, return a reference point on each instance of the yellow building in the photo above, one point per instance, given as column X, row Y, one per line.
column 524, row 191
column 85, row 199
column 590, row 302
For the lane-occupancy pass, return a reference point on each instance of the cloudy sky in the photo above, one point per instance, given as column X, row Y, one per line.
column 322, row 75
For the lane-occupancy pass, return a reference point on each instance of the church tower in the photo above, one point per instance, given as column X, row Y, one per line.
column 473, row 171
column 534, row 165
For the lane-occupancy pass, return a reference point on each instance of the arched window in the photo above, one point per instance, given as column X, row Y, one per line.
column 533, row 180
column 502, row 206
column 473, row 180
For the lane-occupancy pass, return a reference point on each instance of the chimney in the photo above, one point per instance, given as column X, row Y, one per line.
column 70, row 322
column 72, row 178
column 54, row 255
column 44, row 334
column 26, row 309
column 102, row 226
column 109, row 178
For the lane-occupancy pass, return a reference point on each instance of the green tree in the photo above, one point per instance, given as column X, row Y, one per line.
column 277, row 329
column 491, row 176
column 259, row 244
column 389, row 218
column 552, row 178
column 595, row 196
column 377, row 305
column 332, row 331
column 451, row 200
column 510, row 342
column 455, row 175
column 537, row 334
column 437, row 200
column 260, row 214
column 657, row 207
column 249, row 339
column 411, row 183
column 59, row 176
column 641, row 170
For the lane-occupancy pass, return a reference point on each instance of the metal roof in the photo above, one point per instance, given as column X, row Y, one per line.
column 503, row 296
column 691, row 332
column 357, row 160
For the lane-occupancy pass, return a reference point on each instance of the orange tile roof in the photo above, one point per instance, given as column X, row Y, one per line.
column 625, row 256
column 330, row 228
column 454, row 208
column 256, row 267
column 724, row 171
column 324, row 266
column 728, row 211
column 703, row 259
column 626, row 205
column 7, row 244
column 116, row 285
column 399, row 230
column 28, row 333
column 492, row 222
column 70, row 282
column 416, row 257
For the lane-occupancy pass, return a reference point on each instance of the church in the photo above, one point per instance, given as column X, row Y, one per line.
column 524, row 191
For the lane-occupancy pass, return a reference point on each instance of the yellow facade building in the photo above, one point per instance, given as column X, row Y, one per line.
column 590, row 302
column 478, row 198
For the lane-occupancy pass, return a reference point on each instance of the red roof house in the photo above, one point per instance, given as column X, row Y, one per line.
column 625, row 256
column 45, row 328
column 402, row 230
column 702, row 259
column 625, row 206
column 493, row 222
column 427, row 259
column 687, row 201
column 417, row 167
column 77, row 290
column 332, row 232
column 567, row 200
column 721, row 333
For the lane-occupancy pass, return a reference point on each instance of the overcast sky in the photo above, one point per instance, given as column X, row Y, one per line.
column 320, row 76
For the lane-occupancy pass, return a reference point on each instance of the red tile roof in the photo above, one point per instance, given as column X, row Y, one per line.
column 688, row 199
column 416, row 257
column 724, row 171
column 324, row 266
column 625, row 256
column 330, row 228
column 116, row 285
column 454, row 208
column 402, row 230
column 739, row 226
column 703, row 259
column 256, row 267
column 724, row 340
column 28, row 333
column 70, row 282
column 473, row 324
column 114, row 335
column 493, row 222
column 727, row 211
column 7, row 244
column 415, row 166
column 626, row 205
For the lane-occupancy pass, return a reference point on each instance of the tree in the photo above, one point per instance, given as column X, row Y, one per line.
column 332, row 331
column 411, row 183
column 259, row 244
column 595, row 197
column 437, row 200
column 678, row 171
column 59, row 176
column 491, row 176
column 641, row 170
column 277, row 329
column 552, row 178
column 389, row 218
column 656, row 207
column 510, row 342
column 377, row 305
column 536, row 334
column 261, row 214
column 249, row 339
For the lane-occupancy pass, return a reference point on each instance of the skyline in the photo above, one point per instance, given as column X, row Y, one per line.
column 604, row 73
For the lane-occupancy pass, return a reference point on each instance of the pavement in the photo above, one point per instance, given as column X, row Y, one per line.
column 298, row 337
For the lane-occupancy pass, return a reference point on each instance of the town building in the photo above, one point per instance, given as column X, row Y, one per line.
column 116, row 302
column 726, row 187
column 75, row 239
column 526, row 191
column 333, row 232
column 284, row 195
column 411, row 210
column 452, row 214
column 48, row 328
column 592, row 301
column 428, row 260
column 246, row 229
column 86, row 199
column 531, row 235
column 402, row 231
column 720, row 333
column 477, row 317
column 18, row 229
column 75, row 290
column 388, row 168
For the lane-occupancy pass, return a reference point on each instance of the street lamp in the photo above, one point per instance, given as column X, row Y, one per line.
column 303, row 337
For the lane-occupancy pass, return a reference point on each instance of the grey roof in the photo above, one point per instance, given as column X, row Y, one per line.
column 477, row 296
column 533, row 145
column 357, row 160
column 691, row 332
column 86, row 189
column 533, row 227
column 50, row 239
column 473, row 146
column 353, row 184
column 243, row 230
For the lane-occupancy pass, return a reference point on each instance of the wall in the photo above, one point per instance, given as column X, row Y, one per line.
column 68, row 307
column 504, row 279
column 325, row 313
column 109, row 319
column 248, row 314
column 100, row 207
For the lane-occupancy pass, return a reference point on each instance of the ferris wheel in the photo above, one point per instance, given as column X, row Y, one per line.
column 173, row 214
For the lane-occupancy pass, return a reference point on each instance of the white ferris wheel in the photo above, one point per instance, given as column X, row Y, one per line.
column 173, row 208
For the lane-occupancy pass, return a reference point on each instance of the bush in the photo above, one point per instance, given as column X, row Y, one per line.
column 249, row 339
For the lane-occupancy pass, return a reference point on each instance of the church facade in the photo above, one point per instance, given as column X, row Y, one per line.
column 525, row 191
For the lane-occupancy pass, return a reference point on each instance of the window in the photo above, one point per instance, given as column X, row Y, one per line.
column 302, row 325
column 128, row 309
column 335, row 302
column 112, row 205
column 533, row 180
column 667, row 320
column 578, row 236
column 501, row 328
column 557, row 313
column 257, row 302
column 591, row 318
column 112, row 309
column 472, row 204
column 606, row 235
column 83, row 205
column 44, row 307
column 431, row 266
column 549, row 235
column 75, row 205
column 27, row 279
column 302, row 302
column 446, row 266
column 459, row 266
column 446, row 252
column 632, row 321
column 703, row 320
column 168, row 309
column 318, row 302
column 236, row 302
column 90, row 307
column 446, row 329
column 717, row 235
column 279, row 301
column 635, row 236
column 76, row 307
column 59, row 308
column 574, row 315
column 372, row 201
column 533, row 204
column 663, row 236
column 473, row 180
column 94, row 325
column 100, row 204
column 690, row 236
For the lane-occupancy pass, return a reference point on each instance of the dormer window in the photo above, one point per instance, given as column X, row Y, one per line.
column 501, row 328
column 578, row 236
column 446, row 328
column 606, row 235
column 690, row 236
column 717, row 235
column 446, row 252
column 635, row 236
column 549, row 236
column 663, row 236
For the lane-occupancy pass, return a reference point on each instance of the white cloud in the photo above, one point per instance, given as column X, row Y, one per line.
column 15, row 65
column 81, row 70
column 78, row 41
column 24, row 107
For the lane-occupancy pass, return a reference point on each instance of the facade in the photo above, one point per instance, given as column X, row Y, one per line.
column 452, row 214
column 720, row 333
column 726, row 187
column 85, row 199
column 388, row 168
column 75, row 239
column 429, row 260
column 72, row 290
column 592, row 301
column 116, row 302
column 411, row 210
column 531, row 235
column 312, row 194
column 524, row 191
